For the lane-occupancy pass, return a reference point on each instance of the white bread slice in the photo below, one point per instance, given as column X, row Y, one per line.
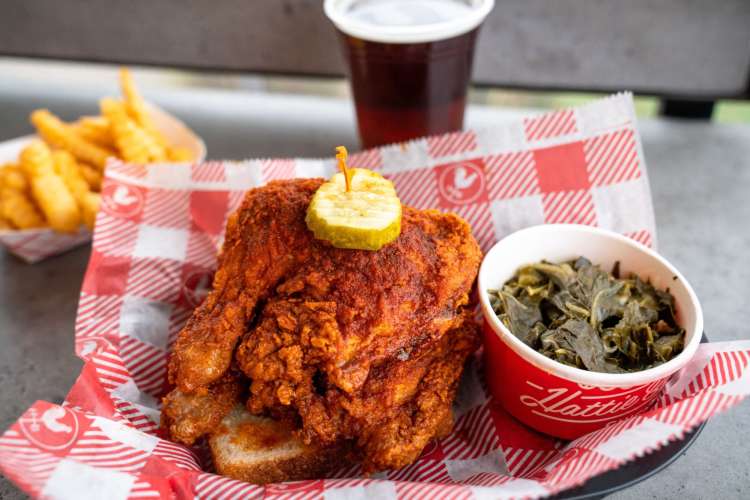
column 262, row 450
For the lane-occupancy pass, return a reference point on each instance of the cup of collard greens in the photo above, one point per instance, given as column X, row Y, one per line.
column 582, row 326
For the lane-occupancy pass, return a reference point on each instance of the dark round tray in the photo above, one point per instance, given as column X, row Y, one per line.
column 633, row 472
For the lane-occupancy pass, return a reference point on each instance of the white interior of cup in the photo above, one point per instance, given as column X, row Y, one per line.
column 464, row 16
column 561, row 242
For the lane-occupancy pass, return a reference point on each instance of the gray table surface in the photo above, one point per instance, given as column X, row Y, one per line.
column 700, row 177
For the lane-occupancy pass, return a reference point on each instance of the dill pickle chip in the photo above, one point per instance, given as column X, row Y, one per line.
column 366, row 217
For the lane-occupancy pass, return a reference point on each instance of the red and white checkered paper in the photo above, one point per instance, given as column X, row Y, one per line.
column 153, row 254
column 34, row 245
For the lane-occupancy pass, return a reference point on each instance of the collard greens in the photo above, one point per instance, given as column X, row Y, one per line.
column 582, row 316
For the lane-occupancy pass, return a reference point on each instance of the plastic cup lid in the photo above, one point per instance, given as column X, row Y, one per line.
column 407, row 21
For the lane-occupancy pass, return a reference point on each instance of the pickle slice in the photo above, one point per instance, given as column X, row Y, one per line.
column 365, row 217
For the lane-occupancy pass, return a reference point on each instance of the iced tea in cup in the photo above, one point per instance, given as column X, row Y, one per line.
column 409, row 63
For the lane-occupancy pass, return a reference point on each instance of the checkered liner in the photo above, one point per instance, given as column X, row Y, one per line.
column 34, row 245
column 153, row 254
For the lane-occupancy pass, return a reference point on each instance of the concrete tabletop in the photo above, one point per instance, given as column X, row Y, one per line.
column 700, row 178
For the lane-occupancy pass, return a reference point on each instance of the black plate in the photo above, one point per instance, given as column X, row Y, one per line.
column 633, row 472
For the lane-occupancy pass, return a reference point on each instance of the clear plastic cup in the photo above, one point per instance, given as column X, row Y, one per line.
column 409, row 63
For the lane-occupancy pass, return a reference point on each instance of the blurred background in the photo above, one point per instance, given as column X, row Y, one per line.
column 19, row 73
column 682, row 58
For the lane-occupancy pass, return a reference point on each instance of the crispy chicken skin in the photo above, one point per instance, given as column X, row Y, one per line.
column 403, row 405
column 354, row 345
column 399, row 439
column 265, row 239
column 186, row 417
column 286, row 369
column 371, row 305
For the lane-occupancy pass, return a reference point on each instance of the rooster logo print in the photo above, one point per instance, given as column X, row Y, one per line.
column 122, row 196
column 52, row 420
column 91, row 345
column 461, row 183
column 197, row 286
column 121, row 200
column 54, row 428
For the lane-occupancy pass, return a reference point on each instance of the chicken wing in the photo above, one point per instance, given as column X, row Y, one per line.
column 400, row 438
column 265, row 239
column 188, row 416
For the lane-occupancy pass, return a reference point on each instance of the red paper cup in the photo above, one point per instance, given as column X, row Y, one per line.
column 561, row 400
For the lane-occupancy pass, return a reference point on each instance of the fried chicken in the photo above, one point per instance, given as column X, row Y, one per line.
column 188, row 416
column 352, row 345
column 399, row 439
column 265, row 240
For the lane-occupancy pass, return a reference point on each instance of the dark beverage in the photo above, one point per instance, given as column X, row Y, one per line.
column 402, row 91
column 409, row 63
